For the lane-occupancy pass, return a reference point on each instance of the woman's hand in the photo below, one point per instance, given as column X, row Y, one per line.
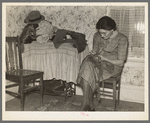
column 92, row 53
column 115, row 62
column 102, row 58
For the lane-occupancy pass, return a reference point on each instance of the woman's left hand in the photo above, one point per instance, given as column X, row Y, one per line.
column 115, row 62
column 103, row 58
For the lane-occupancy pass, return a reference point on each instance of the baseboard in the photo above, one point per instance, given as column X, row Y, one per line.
column 132, row 93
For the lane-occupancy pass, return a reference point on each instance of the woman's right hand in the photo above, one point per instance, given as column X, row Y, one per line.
column 92, row 53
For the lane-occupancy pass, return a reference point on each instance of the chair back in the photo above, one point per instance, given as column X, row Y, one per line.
column 13, row 53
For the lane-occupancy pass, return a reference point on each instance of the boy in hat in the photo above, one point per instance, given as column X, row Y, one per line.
column 29, row 32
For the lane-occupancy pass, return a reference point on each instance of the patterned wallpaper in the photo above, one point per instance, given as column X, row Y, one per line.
column 76, row 18
column 133, row 76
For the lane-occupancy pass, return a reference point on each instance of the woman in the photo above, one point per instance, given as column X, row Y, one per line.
column 105, row 60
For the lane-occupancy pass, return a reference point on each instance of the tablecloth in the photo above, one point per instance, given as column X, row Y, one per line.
column 62, row 63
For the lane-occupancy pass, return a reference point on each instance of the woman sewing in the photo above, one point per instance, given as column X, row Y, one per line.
column 106, row 59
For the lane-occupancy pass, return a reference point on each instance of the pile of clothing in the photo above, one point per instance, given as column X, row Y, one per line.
column 42, row 31
column 77, row 39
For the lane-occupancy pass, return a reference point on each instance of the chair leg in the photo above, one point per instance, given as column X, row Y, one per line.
column 74, row 89
column 19, row 89
column 33, row 81
column 41, row 89
column 118, row 94
column 103, row 88
column 22, row 94
column 114, row 95
column 98, row 96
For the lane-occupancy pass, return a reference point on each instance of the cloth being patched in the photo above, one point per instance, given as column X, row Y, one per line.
column 44, row 32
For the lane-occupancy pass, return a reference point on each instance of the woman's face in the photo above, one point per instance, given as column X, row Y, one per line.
column 105, row 33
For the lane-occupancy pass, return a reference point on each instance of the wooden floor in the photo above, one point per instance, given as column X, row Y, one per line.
column 32, row 101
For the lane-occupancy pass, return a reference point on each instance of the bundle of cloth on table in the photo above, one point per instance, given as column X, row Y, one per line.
column 66, row 36
column 40, row 30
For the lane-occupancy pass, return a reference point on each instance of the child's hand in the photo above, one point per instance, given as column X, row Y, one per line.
column 30, row 31
column 68, row 37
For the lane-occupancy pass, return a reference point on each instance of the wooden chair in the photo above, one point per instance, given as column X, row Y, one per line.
column 16, row 74
column 114, row 84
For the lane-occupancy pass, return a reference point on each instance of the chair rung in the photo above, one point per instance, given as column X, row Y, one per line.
column 12, row 85
column 13, row 94
column 31, row 88
column 106, row 92
column 107, row 95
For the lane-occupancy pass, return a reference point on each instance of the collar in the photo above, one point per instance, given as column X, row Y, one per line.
column 115, row 33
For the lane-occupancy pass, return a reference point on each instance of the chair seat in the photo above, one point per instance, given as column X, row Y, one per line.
column 107, row 85
column 26, row 75
column 23, row 72
column 110, row 80
column 113, row 79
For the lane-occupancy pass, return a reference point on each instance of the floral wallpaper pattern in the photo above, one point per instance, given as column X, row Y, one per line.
column 76, row 18
column 133, row 76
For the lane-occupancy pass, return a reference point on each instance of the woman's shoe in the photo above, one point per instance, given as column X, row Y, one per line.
column 88, row 108
column 92, row 109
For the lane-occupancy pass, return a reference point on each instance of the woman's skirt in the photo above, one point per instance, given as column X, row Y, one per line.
column 93, row 74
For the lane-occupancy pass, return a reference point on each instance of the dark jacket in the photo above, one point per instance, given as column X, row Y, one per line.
column 29, row 33
column 78, row 39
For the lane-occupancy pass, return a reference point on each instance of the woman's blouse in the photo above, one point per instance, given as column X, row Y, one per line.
column 113, row 48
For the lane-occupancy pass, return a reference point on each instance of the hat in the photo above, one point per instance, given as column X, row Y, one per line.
column 34, row 17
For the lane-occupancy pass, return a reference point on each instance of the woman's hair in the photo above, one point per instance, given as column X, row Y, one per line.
column 106, row 23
